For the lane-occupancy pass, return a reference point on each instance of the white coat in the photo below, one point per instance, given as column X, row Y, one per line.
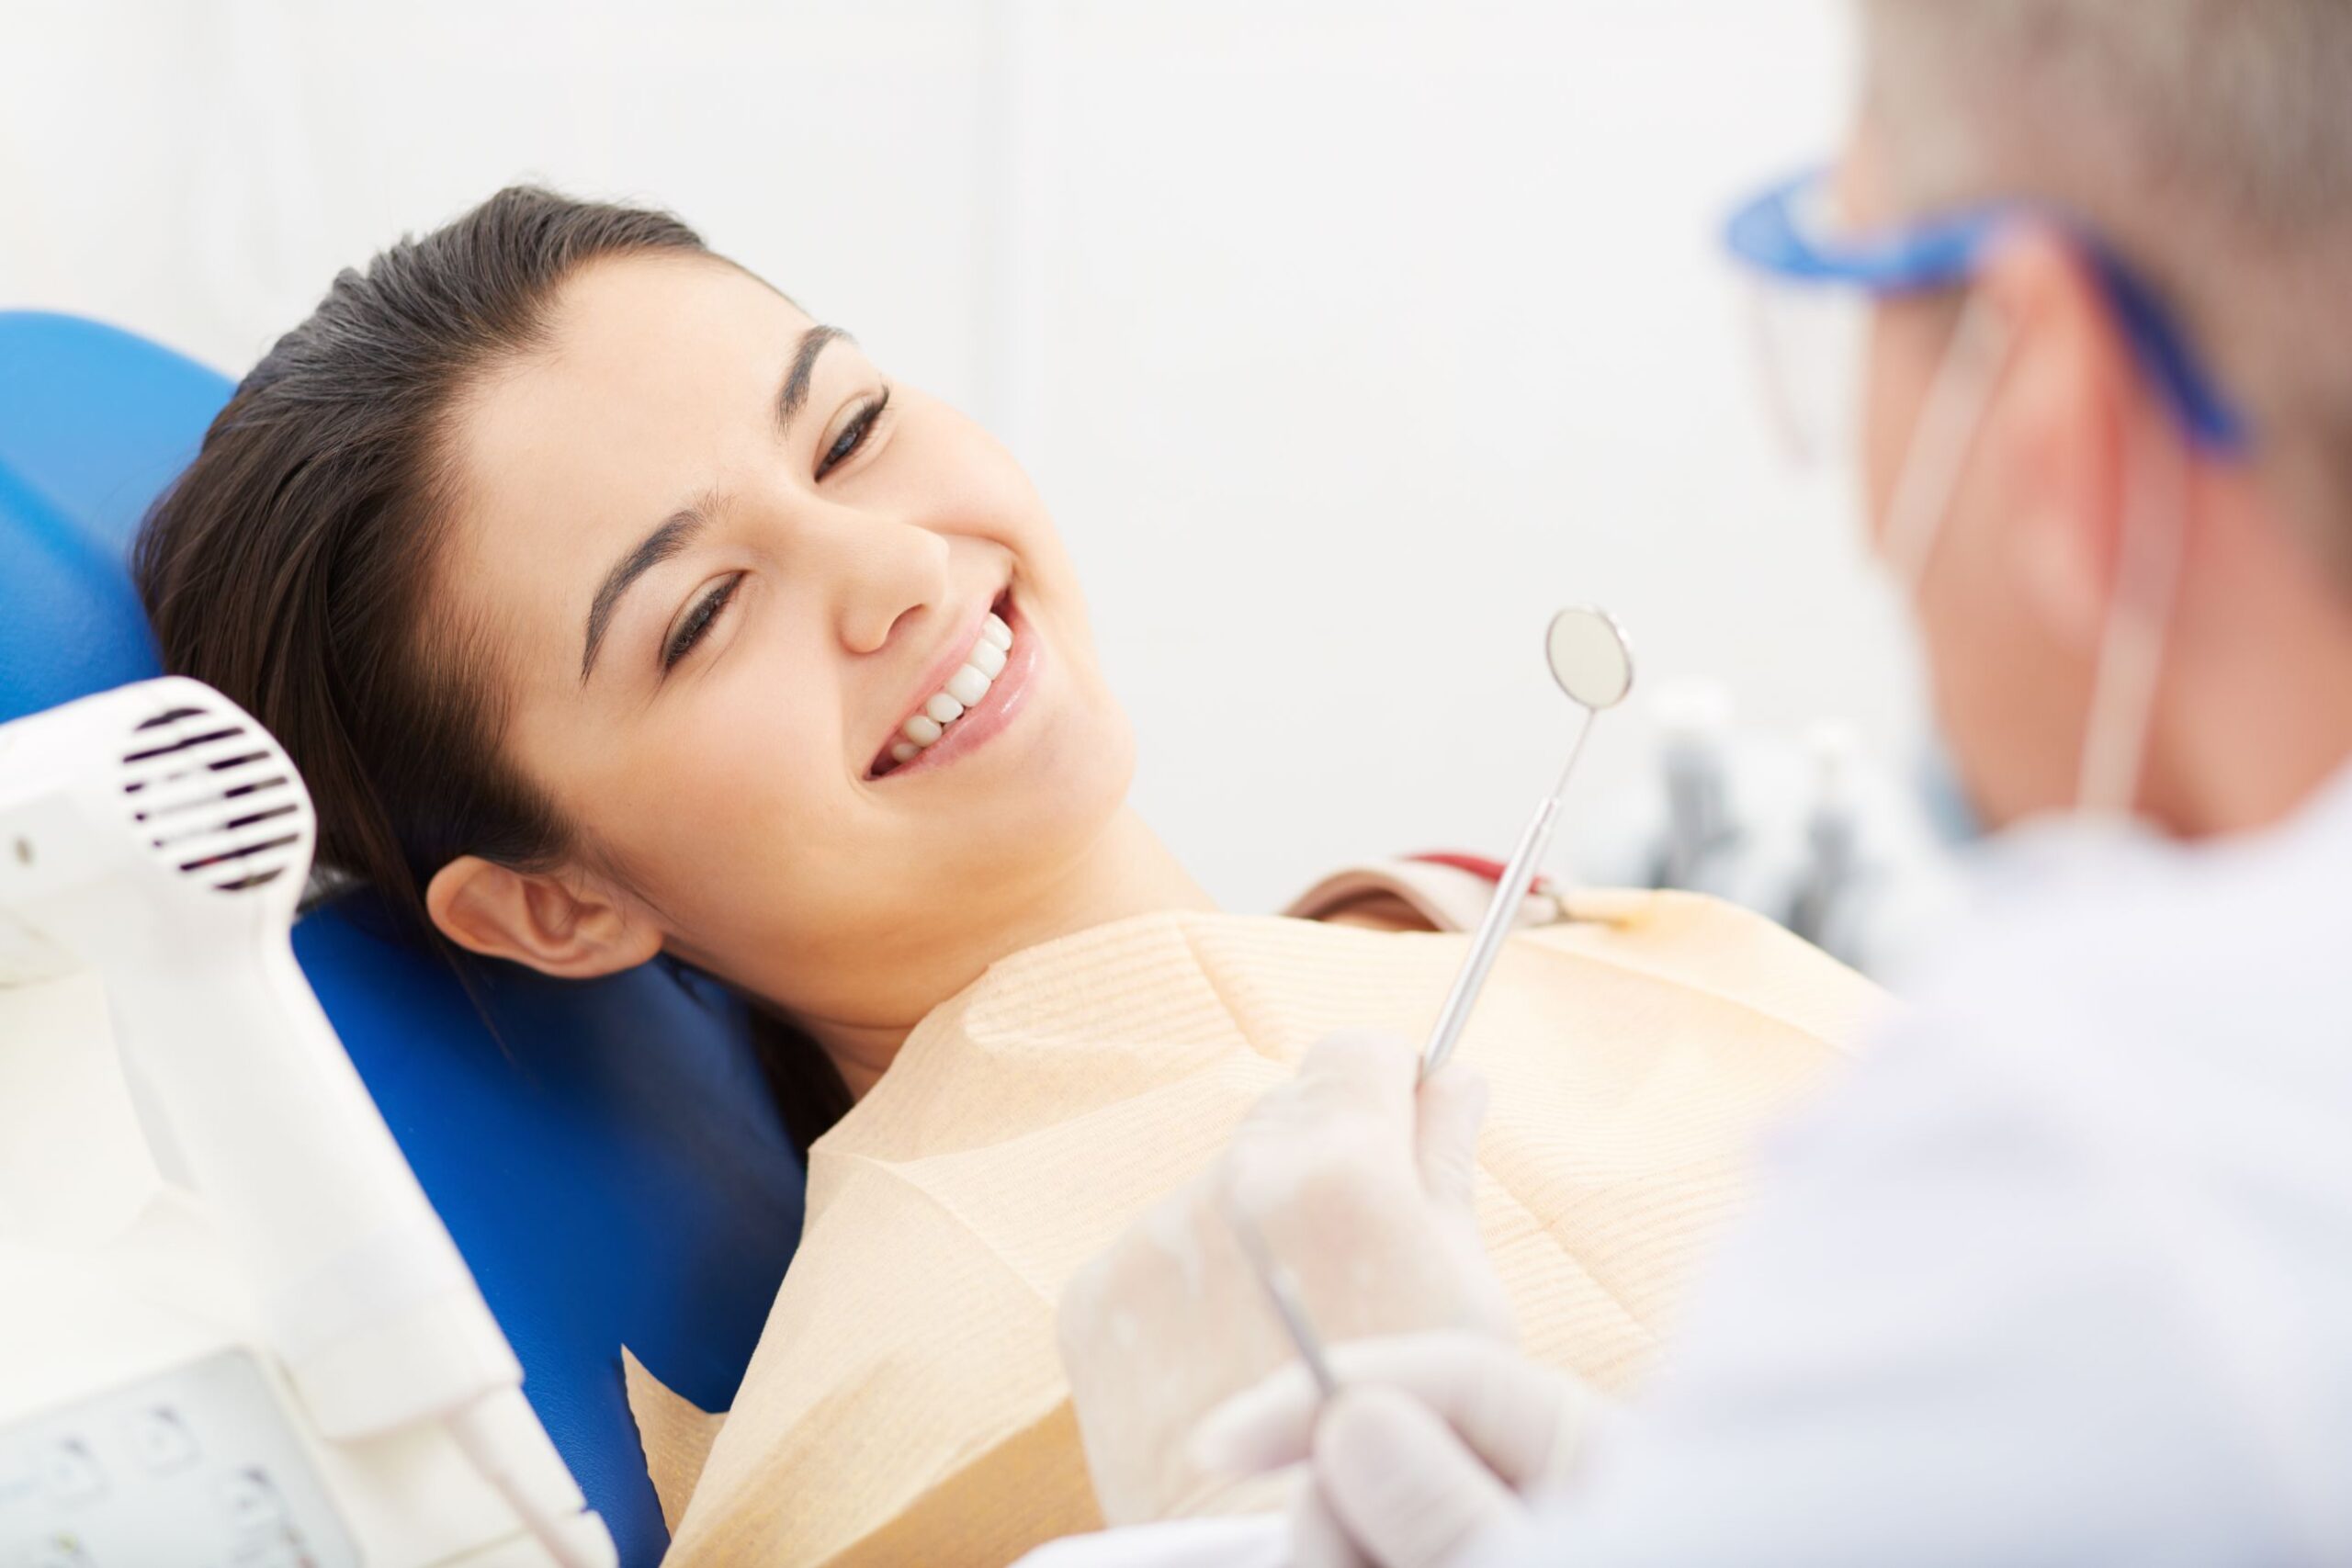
column 2062, row 1271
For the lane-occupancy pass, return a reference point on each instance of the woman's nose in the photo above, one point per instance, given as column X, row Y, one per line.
column 881, row 571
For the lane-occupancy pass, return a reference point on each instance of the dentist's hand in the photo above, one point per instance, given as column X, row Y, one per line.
column 1425, row 1454
column 1361, row 1181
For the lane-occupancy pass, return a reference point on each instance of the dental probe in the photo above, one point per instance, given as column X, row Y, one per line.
column 1281, row 1294
column 1593, row 663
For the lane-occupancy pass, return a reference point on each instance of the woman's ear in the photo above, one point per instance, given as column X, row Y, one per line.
column 535, row 918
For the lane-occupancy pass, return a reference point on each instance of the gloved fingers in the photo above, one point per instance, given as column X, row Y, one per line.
column 1265, row 1427
column 1401, row 1483
column 1316, row 1538
column 1451, row 1105
column 1523, row 1421
column 1354, row 1073
column 1335, row 1133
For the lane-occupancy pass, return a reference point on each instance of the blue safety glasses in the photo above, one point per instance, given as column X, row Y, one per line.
column 1789, row 236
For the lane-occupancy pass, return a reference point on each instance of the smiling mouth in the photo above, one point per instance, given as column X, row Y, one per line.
column 963, row 691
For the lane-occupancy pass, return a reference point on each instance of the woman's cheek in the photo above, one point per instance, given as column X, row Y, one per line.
column 749, row 765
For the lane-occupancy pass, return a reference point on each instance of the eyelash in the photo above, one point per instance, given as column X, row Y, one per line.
column 698, row 620
column 845, row 445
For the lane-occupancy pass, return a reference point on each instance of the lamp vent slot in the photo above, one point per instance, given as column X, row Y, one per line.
column 212, row 797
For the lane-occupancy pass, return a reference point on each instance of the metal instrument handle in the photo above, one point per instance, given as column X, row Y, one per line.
column 1518, row 879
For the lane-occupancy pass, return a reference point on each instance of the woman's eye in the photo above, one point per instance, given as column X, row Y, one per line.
column 698, row 619
column 854, row 434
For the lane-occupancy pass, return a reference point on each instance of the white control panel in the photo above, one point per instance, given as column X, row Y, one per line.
column 194, row 1468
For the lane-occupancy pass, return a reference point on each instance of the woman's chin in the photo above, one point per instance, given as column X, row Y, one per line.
column 1046, row 802
column 1068, row 789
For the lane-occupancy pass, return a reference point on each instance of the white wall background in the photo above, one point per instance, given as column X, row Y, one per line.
column 1348, row 338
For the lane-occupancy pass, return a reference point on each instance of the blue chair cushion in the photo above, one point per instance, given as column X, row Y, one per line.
column 93, row 422
column 606, row 1154
column 608, row 1158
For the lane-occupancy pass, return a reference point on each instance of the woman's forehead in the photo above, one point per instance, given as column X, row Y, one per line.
column 630, row 343
column 652, row 372
column 634, row 305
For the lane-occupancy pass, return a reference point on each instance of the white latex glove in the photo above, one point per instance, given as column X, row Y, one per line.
column 1361, row 1181
column 1425, row 1454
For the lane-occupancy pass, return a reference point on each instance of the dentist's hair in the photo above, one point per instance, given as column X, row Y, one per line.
column 2209, row 141
column 293, row 565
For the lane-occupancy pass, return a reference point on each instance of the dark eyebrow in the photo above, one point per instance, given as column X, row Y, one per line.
column 789, row 401
column 659, row 545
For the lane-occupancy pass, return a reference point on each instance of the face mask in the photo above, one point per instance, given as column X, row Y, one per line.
column 2131, row 649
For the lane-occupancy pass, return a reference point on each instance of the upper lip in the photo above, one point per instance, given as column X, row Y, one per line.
column 951, row 657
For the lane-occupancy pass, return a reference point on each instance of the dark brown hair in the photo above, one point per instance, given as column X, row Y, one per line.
column 290, row 566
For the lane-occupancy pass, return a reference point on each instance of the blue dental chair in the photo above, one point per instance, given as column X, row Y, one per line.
column 607, row 1158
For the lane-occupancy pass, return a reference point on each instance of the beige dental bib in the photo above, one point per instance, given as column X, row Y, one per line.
column 906, row 1403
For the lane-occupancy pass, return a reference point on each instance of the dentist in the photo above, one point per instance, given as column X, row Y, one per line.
column 2061, row 1270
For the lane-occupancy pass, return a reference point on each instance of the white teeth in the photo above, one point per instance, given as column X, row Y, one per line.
column 967, row 686
column 960, row 695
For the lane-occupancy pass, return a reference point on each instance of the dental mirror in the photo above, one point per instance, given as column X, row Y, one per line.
column 1593, row 663
column 1590, row 658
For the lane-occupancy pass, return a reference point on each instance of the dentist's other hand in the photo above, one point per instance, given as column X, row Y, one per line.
column 1425, row 1454
column 1361, row 1180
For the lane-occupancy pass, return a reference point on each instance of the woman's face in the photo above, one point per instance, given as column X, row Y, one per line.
column 717, row 562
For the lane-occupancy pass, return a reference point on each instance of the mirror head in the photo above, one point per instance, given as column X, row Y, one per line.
column 1590, row 657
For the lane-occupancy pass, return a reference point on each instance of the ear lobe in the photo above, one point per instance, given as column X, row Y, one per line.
column 535, row 918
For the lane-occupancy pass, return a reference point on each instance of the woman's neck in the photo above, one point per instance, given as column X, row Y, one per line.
column 1127, row 872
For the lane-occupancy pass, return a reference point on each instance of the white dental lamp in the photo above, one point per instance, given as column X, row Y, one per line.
column 263, row 1347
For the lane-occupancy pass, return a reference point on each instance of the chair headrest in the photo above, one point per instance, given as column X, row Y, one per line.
column 93, row 421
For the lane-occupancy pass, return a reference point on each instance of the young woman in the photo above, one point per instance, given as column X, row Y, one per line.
column 612, row 606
